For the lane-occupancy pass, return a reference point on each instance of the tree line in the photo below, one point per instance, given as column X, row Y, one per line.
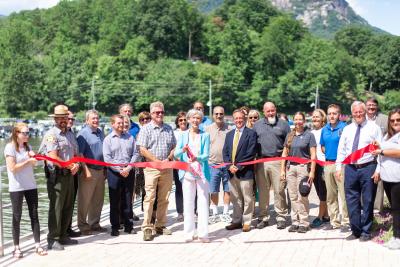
column 138, row 51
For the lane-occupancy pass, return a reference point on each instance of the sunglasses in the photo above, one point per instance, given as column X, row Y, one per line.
column 24, row 133
column 71, row 119
column 159, row 112
column 219, row 114
column 145, row 119
column 395, row 120
column 256, row 118
column 182, row 120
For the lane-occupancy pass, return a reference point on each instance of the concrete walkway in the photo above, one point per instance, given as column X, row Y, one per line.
column 266, row 247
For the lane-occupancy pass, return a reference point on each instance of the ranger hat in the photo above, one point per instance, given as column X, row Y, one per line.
column 60, row 111
column 304, row 187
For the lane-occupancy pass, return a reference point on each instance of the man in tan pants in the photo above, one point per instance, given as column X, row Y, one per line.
column 330, row 137
column 156, row 142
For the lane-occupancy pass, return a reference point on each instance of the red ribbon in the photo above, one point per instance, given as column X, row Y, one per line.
column 180, row 165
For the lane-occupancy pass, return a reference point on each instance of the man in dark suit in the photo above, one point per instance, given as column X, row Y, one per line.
column 240, row 146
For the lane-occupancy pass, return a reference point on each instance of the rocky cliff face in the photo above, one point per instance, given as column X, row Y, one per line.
column 323, row 17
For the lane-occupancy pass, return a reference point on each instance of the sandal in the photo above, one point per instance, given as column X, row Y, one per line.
column 41, row 252
column 17, row 254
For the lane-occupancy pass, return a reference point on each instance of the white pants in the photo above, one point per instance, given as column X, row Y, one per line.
column 189, row 188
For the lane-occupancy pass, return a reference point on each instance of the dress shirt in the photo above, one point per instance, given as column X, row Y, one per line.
column 90, row 144
column 369, row 132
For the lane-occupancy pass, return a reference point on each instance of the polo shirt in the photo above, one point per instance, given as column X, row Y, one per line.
column 217, row 141
column 330, row 139
column 301, row 144
column 204, row 123
column 270, row 137
column 90, row 144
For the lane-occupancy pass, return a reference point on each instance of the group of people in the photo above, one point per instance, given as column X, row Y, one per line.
column 216, row 154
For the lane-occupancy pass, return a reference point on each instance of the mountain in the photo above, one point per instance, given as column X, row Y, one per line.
column 322, row 17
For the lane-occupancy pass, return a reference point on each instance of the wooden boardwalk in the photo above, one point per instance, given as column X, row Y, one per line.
column 266, row 247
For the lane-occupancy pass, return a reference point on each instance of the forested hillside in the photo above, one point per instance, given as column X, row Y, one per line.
column 142, row 50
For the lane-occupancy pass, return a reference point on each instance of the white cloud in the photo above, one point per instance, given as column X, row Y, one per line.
column 9, row 6
column 358, row 7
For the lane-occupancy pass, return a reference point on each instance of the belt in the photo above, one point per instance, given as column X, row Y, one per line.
column 296, row 163
column 330, row 159
column 362, row 165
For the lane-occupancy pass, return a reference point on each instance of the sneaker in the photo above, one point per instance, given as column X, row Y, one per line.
column 330, row 227
column 280, row 225
column 135, row 217
column 345, row 229
column 388, row 243
column 262, row 224
column 302, row 229
column 352, row 237
column 365, row 238
column 225, row 217
column 395, row 244
column 213, row 219
column 293, row 228
column 163, row 231
column 317, row 222
column 148, row 234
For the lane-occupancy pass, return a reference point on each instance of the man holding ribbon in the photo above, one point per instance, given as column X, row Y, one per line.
column 358, row 181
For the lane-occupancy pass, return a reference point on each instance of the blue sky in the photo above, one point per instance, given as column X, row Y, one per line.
column 383, row 14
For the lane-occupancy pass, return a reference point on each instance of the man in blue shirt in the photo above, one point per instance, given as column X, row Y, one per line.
column 330, row 137
column 206, row 120
column 91, row 181
column 126, row 109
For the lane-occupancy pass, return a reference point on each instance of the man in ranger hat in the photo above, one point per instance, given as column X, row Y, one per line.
column 60, row 144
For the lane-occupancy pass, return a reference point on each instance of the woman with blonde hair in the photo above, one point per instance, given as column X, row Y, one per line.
column 253, row 116
column 318, row 122
column 21, row 183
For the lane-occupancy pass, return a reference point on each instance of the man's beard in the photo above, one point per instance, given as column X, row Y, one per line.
column 271, row 120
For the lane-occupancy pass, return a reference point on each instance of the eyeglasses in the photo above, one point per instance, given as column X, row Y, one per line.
column 182, row 120
column 158, row 112
column 24, row 133
column 395, row 120
column 250, row 118
column 71, row 119
column 219, row 114
column 145, row 119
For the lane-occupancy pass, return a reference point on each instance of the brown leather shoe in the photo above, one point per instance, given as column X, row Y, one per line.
column 233, row 226
column 246, row 228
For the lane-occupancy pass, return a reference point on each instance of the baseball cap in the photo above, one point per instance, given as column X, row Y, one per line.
column 304, row 187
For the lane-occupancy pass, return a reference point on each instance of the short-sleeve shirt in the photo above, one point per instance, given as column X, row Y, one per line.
column 24, row 178
column 217, row 141
column 90, row 143
column 330, row 139
column 158, row 140
column 65, row 143
column 270, row 137
column 301, row 145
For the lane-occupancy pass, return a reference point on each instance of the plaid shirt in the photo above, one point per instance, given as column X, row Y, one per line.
column 158, row 140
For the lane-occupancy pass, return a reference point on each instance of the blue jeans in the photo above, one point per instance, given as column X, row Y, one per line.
column 218, row 175
column 358, row 184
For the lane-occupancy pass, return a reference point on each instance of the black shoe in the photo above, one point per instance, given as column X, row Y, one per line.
column 54, row 245
column 262, row 224
column 72, row 233
column 280, row 225
column 135, row 217
column 114, row 232
column 233, row 226
column 352, row 237
column 365, row 238
column 68, row 241
column 302, row 229
column 130, row 231
column 293, row 228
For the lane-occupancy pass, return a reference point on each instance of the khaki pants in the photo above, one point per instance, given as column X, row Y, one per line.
column 242, row 198
column 90, row 199
column 333, row 189
column 162, row 179
column 300, row 204
column 267, row 174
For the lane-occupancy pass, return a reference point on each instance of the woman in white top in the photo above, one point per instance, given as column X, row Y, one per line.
column 181, row 126
column 21, row 183
column 388, row 170
column 318, row 122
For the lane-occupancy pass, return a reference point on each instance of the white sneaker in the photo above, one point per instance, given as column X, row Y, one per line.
column 387, row 244
column 225, row 217
column 395, row 244
column 213, row 219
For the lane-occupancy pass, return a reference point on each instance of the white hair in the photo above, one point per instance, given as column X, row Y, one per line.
column 358, row 103
column 156, row 104
column 90, row 112
column 194, row 112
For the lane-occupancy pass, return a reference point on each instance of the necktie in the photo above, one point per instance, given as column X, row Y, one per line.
column 356, row 139
column 235, row 144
